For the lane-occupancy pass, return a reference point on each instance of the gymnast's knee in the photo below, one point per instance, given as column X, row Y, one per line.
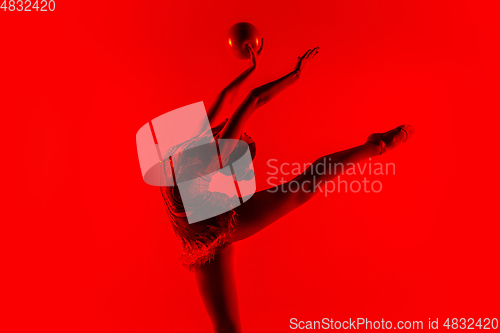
column 303, row 189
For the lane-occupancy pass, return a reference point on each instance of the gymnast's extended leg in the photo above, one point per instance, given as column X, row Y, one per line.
column 266, row 207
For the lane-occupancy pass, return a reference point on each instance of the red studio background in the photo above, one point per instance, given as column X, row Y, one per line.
column 87, row 246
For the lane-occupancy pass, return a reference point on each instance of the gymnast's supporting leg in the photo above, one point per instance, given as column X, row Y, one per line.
column 216, row 284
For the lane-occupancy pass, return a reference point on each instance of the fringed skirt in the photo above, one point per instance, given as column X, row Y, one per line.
column 199, row 240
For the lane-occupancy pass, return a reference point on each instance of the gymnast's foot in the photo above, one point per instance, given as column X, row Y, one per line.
column 393, row 138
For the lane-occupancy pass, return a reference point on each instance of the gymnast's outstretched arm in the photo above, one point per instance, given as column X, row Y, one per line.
column 226, row 95
column 255, row 99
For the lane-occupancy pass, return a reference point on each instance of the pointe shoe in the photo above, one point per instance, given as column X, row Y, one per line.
column 393, row 138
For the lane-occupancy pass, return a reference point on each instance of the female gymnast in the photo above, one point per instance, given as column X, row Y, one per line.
column 208, row 245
